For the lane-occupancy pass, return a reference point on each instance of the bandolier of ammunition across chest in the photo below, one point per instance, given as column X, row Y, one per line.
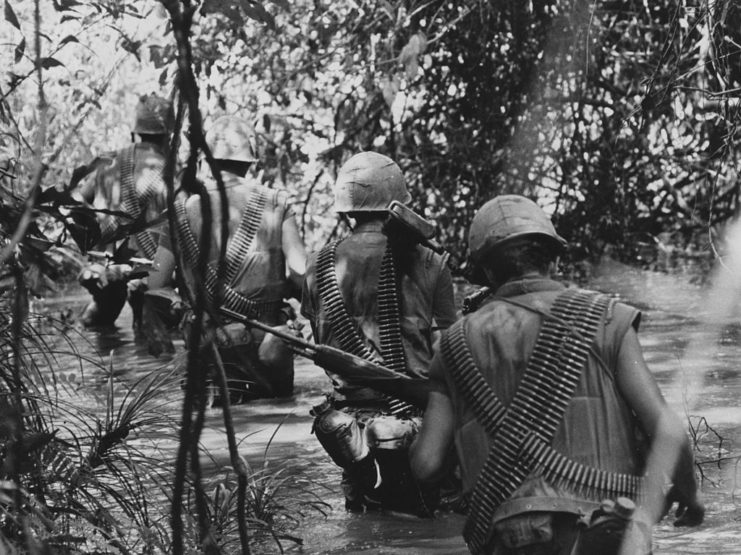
column 345, row 330
column 236, row 250
column 133, row 202
column 521, row 433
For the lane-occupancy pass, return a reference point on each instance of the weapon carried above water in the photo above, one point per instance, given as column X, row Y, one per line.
column 420, row 230
column 350, row 367
column 120, row 268
column 405, row 222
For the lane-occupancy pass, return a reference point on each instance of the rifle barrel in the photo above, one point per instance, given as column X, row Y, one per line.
column 268, row 329
column 364, row 372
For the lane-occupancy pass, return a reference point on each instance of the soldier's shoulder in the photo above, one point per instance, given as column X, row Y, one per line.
column 110, row 155
column 430, row 258
column 280, row 197
column 106, row 160
column 150, row 158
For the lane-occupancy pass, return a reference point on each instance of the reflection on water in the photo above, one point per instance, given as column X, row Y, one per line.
column 672, row 326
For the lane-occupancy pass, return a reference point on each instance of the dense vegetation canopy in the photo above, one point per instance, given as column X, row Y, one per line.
column 619, row 116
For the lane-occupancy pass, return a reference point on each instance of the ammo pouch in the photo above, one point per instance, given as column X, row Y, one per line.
column 606, row 532
column 340, row 435
column 391, row 433
column 525, row 529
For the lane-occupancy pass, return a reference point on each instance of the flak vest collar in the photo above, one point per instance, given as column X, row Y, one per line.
column 524, row 286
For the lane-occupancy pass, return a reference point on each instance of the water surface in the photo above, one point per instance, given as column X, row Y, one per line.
column 697, row 366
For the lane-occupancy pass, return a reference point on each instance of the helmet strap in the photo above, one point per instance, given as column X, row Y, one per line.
column 347, row 220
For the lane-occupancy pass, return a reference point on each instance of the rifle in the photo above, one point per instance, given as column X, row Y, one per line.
column 354, row 368
column 138, row 267
column 419, row 230
column 472, row 301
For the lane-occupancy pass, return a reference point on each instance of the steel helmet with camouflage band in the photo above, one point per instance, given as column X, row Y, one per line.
column 508, row 217
column 232, row 138
column 154, row 116
column 368, row 182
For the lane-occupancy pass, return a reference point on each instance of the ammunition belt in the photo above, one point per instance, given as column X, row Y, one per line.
column 546, row 388
column 345, row 330
column 232, row 299
column 389, row 324
column 133, row 201
column 242, row 239
column 586, row 481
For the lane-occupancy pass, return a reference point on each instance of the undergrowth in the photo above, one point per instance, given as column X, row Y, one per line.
column 86, row 467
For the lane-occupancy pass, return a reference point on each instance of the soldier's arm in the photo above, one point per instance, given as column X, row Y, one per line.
column 670, row 454
column 85, row 191
column 429, row 452
column 295, row 253
column 444, row 310
column 430, row 449
column 163, row 265
column 309, row 301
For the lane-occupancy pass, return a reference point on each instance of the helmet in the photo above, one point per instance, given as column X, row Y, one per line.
column 232, row 138
column 368, row 182
column 506, row 217
column 154, row 116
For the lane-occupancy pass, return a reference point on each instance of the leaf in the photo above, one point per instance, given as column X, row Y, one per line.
column 258, row 13
column 159, row 56
column 19, row 50
column 14, row 79
column 69, row 18
column 63, row 5
column 68, row 38
column 224, row 7
column 283, row 4
column 10, row 16
column 48, row 63
column 409, row 55
column 163, row 78
column 389, row 89
column 131, row 46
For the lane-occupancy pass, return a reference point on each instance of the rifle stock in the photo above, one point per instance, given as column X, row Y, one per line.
column 350, row 367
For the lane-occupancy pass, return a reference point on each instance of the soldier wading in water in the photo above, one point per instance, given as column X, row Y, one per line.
column 128, row 181
column 543, row 390
column 265, row 261
column 382, row 298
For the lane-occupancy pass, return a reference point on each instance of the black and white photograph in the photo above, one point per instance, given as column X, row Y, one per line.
column 346, row 277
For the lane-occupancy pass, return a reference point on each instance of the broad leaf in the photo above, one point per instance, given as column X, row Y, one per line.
column 48, row 63
column 10, row 16
column 68, row 38
column 258, row 12
column 19, row 50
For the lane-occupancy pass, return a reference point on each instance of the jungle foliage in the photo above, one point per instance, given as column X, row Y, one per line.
column 618, row 115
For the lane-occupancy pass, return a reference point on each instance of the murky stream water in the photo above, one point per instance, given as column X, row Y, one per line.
column 672, row 322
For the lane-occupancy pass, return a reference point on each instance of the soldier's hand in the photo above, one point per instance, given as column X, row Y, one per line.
column 690, row 510
column 295, row 327
column 117, row 272
column 691, row 514
column 93, row 277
